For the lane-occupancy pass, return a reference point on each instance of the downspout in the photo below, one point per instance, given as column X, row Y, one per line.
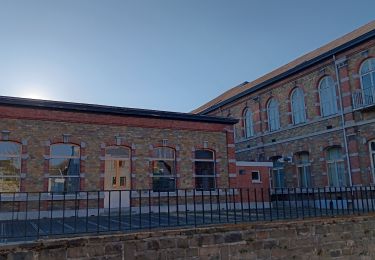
column 343, row 121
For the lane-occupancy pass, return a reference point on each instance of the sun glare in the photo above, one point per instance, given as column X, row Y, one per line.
column 34, row 93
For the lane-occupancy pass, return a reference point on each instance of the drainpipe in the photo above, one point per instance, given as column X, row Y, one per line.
column 343, row 122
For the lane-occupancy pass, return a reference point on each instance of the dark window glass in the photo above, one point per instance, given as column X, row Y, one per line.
column 163, row 169
column 64, row 168
column 204, row 168
column 205, row 183
column 118, row 152
column 204, row 154
column 255, row 176
column 64, row 150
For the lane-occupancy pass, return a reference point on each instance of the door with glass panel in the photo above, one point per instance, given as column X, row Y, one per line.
column 117, row 177
column 372, row 155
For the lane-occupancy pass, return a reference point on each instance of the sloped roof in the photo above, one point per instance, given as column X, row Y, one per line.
column 363, row 33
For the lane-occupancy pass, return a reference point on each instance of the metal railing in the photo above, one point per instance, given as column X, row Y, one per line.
column 363, row 98
column 31, row 216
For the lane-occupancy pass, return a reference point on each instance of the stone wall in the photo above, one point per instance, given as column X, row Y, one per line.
column 349, row 237
column 37, row 129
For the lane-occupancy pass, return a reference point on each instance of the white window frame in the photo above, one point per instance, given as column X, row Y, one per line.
column 368, row 93
column 328, row 99
column 305, row 166
column 258, row 180
column 213, row 160
column 173, row 175
column 248, row 123
column 20, row 166
column 273, row 115
column 298, row 106
column 108, row 157
column 337, row 174
column 372, row 159
column 64, row 157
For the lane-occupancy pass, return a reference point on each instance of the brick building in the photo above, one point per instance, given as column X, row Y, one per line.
column 313, row 117
column 66, row 147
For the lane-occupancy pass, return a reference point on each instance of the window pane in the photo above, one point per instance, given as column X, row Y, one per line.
column 65, row 150
column 10, row 166
column 332, row 175
column 164, row 152
column 64, row 167
column 63, row 184
column 273, row 115
column 205, row 183
column 9, row 184
column 298, row 106
column 255, row 176
column 10, row 148
column 204, row 168
column 365, row 67
column 334, row 154
column 204, row 154
column 163, row 184
column 328, row 96
column 373, row 146
column 161, row 167
column 342, row 178
column 248, row 123
column 118, row 152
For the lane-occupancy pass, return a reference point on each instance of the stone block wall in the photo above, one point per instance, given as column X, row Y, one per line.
column 37, row 129
column 351, row 237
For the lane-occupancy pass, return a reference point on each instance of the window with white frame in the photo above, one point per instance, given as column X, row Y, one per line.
column 117, row 173
column 248, row 123
column 255, row 176
column 327, row 94
column 304, row 170
column 164, row 169
column 336, row 168
column 64, row 168
column 273, row 115
column 372, row 155
column 204, row 170
column 10, row 166
column 298, row 106
column 278, row 172
column 367, row 72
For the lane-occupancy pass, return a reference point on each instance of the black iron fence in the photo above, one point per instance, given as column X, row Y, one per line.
column 28, row 216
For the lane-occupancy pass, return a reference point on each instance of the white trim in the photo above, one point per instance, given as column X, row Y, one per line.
column 254, row 164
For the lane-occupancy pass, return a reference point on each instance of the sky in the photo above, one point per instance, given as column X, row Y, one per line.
column 171, row 55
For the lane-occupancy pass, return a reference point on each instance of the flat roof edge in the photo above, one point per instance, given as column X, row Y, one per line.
column 102, row 109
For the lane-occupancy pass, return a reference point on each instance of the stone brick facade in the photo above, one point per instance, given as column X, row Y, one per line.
column 37, row 127
column 349, row 237
column 350, row 130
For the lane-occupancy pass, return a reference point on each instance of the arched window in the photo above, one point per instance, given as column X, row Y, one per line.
column 336, row 168
column 117, row 168
column 248, row 123
column 327, row 94
column 273, row 115
column 303, row 168
column 367, row 72
column 10, row 166
column 204, row 170
column 298, row 106
column 64, row 168
column 163, row 169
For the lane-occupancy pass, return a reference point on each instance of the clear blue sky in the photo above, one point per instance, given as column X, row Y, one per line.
column 158, row 54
